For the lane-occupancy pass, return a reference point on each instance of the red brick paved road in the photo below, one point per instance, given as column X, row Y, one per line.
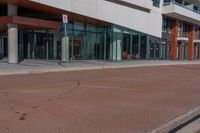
column 105, row 101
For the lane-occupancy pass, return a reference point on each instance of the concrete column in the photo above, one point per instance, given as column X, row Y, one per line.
column 114, row 50
column 12, row 43
column 65, row 49
column 12, row 36
column 119, row 50
column 12, row 10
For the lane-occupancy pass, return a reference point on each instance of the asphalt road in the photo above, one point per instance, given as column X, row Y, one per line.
column 134, row 100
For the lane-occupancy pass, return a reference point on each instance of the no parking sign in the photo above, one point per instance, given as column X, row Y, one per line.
column 65, row 18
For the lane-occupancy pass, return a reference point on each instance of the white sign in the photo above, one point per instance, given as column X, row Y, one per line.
column 65, row 18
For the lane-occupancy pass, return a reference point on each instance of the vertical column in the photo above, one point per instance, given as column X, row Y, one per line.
column 1, row 49
column 148, row 48
column 55, row 38
column 34, row 37
column 180, row 56
column 12, row 36
column 174, row 43
column 114, row 50
column 65, row 49
column 139, row 47
column 47, row 44
column 190, row 42
column 29, row 49
column 131, row 44
column 119, row 50
column 65, row 45
column 104, row 45
column 12, row 43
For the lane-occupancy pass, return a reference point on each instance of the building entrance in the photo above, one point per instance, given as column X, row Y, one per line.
column 182, row 51
column 196, row 51
column 164, row 50
column 37, row 45
column 155, row 51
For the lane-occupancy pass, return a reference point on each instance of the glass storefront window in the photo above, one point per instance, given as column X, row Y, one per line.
column 90, row 45
column 71, row 47
column 90, row 42
column 117, row 44
column 86, row 42
column 143, row 46
column 79, row 45
column 37, row 45
column 126, row 45
column 109, row 39
column 79, row 26
column 135, row 45
column 100, row 48
column 69, row 26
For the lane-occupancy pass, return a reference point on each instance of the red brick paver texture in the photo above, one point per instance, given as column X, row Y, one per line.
column 134, row 100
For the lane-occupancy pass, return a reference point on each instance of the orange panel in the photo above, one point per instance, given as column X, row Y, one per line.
column 190, row 43
column 31, row 22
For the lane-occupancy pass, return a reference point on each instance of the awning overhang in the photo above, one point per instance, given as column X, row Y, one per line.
column 29, row 22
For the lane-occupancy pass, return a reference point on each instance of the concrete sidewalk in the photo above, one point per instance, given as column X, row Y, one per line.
column 191, row 128
column 38, row 66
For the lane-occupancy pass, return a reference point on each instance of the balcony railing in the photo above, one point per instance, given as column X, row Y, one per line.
column 178, row 4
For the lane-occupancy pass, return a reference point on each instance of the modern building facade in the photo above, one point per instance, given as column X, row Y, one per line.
column 99, row 30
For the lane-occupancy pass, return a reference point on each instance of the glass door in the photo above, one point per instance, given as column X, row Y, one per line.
column 179, row 51
column 126, row 46
column 157, row 51
column 5, row 47
column 184, row 51
column 135, row 45
column 79, row 45
column 21, row 46
column 152, row 50
column 198, row 51
column 43, row 46
column 163, row 50
column 195, row 49
column 1, row 49
column 40, row 46
column 100, row 47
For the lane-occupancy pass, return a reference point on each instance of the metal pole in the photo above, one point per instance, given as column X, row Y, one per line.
column 104, row 45
column 47, row 44
column 65, row 41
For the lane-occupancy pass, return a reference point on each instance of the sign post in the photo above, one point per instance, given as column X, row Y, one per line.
column 65, row 40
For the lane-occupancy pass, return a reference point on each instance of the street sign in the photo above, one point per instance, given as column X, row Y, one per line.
column 65, row 18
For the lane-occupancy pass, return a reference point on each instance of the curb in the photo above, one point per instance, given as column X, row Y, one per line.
column 173, row 126
column 72, row 69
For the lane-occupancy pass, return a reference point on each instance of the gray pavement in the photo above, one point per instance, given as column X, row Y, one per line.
column 41, row 66
column 191, row 128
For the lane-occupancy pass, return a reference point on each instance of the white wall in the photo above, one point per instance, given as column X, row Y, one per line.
column 181, row 13
column 150, row 23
